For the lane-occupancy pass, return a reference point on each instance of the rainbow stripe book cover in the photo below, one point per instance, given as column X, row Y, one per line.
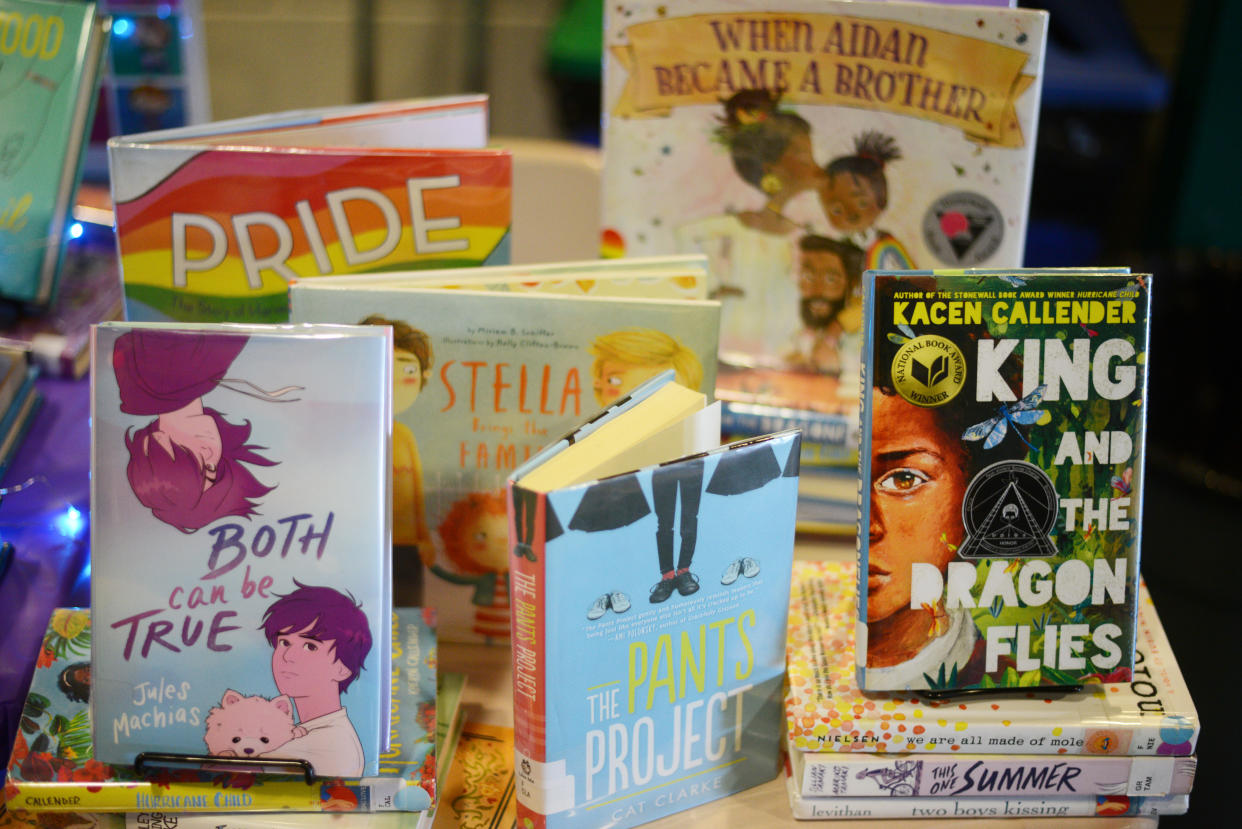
column 215, row 221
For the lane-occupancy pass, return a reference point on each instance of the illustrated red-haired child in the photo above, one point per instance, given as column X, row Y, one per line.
column 475, row 532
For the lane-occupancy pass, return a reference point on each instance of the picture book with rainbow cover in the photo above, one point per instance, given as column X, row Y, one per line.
column 241, row 584
column 53, row 768
column 213, row 221
column 484, row 379
column 798, row 143
column 1001, row 468
column 51, row 54
column 1151, row 713
column 650, row 579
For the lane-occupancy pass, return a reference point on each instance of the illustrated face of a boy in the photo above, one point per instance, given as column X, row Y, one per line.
column 848, row 202
column 304, row 666
column 822, row 275
column 616, row 379
column 198, row 433
column 917, row 484
column 407, row 379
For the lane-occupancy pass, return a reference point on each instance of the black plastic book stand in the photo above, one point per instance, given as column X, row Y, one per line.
column 266, row 765
column 958, row 693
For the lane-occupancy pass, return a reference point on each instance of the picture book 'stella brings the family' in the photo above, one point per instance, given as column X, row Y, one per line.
column 1001, row 475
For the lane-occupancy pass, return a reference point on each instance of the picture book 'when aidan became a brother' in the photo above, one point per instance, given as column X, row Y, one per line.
column 485, row 378
column 797, row 143
column 650, row 579
column 1001, row 473
column 240, row 578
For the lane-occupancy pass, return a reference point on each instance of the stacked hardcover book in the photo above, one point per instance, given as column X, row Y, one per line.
column 53, row 768
column 1116, row 747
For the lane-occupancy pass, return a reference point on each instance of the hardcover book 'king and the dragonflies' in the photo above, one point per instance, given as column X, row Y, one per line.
column 1001, row 473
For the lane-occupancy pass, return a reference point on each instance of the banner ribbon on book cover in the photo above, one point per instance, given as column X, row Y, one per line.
column 826, row 59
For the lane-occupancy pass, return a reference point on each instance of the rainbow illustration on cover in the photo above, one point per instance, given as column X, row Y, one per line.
column 798, row 143
column 240, row 527
column 1003, row 417
column 214, row 222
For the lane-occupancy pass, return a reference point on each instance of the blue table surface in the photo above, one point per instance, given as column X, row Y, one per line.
column 46, row 523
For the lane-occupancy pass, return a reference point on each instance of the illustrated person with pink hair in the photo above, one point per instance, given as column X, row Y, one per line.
column 186, row 465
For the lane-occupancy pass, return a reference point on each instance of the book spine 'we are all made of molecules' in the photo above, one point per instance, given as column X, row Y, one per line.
column 1001, row 471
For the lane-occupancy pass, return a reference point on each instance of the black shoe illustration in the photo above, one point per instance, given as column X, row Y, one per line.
column 662, row 590
column 687, row 583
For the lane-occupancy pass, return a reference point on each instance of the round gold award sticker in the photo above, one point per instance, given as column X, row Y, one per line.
column 929, row 370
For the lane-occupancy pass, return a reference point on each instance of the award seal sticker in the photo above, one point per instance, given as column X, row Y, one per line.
column 963, row 229
column 1008, row 511
column 929, row 370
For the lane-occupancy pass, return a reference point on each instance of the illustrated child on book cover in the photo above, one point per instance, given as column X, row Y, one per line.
column 626, row 357
column 1001, row 417
column 475, row 534
column 413, row 361
column 905, row 130
column 236, row 613
column 190, row 465
column 920, row 468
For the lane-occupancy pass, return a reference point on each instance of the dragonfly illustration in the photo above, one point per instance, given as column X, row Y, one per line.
column 906, row 335
column 993, row 430
column 1121, row 483
column 1014, row 279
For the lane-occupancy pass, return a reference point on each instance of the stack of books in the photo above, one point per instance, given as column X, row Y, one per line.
column 1113, row 748
column 54, row 776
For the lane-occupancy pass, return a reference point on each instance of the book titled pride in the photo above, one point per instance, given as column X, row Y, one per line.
column 214, row 220
column 650, row 572
column 492, row 363
column 241, row 588
column 1003, row 418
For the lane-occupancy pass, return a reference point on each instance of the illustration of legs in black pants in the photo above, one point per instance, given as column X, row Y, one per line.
column 524, row 505
column 671, row 486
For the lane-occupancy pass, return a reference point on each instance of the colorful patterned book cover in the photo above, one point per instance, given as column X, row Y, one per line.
column 50, row 57
column 53, row 768
column 213, row 222
column 648, row 628
column 1003, row 436
column 240, row 579
column 478, row 792
column 1149, row 714
column 484, row 379
column 798, row 143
